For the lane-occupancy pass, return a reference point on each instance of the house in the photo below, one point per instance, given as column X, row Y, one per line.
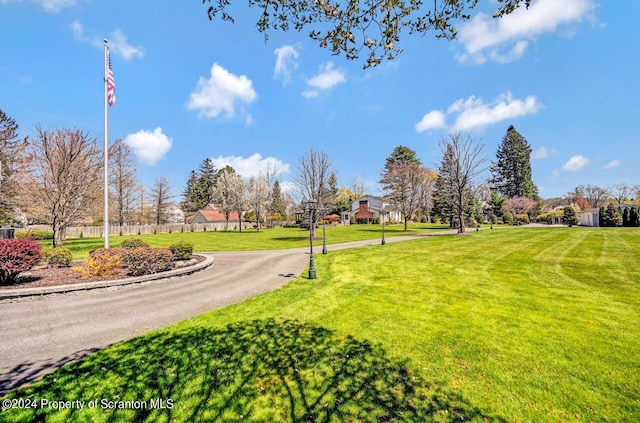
column 370, row 208
column 174, row 214
column 213, row 217
column 590, row 217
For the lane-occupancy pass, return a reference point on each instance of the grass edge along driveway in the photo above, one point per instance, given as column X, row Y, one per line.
column 509, row 325
column 251, row 240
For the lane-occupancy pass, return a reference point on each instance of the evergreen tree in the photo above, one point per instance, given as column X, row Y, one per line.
column 495, row 203
column 13, row 159
column 403, row 180
column 610, row 216
column 634, row 219
column 625, row 217
column 190, row 197
column 206, row 182
column 570, row 217
column 443, row 201
column 462, row 162
column 512, row 170
column 277, row 202
column 404, row 154
column 198, row 191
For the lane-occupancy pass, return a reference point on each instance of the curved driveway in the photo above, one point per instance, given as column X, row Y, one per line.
column 40, row 334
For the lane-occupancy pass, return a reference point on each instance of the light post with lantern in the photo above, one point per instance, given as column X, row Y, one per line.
column 382, row 220
column 324, row 231
column 311, row 207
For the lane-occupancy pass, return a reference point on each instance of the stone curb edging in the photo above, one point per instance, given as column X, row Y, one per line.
column 61, row 289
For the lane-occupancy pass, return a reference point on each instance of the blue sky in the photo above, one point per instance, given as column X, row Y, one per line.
column 565, row 73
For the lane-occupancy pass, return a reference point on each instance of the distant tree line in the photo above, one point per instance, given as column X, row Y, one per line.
column 56, row 178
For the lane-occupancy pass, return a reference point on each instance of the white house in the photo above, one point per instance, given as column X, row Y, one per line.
column 174, row 214
column 590, row 217
column 369, row 208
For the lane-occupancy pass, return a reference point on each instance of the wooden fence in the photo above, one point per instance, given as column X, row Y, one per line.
column 98, row 231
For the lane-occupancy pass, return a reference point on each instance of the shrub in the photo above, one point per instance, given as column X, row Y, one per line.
column 545, row 217
column 35, row 234
column 132, row 243
column 145, row 261
column 570, row 217
column 182, row 250
column 102, row 262
column 58, row 257
column 507, row 218
column 521, row 219
column 17, row 256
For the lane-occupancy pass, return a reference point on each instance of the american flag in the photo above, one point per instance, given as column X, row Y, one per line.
column 111, row 85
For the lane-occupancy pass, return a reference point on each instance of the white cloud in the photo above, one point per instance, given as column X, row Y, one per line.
column 474, row 113
column 541, row 153
column 288, row 187
column 613, row 164
column 433, row 120
column 78, row 30
column 506, row 39
column 50, row 6
column 221, row 93
column 118, row 43
column 252, row 165
column 310, row 93
column 149, row 146
column 285, row 62
column 575, row 163
column 327, row 78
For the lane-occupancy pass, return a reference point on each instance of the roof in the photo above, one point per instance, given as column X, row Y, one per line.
column 216, row 215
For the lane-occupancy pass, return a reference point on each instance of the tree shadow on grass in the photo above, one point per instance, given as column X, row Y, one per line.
column 291, row 238
column 261, row 370
column 29, row 371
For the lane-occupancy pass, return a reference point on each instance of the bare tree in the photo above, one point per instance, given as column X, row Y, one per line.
column 161, row 197
column 595, row 195
column 228, row 195
column 123, row 181
column 142, row 214
column 312, row 179
column 462, row 163
column 65, row 178
column 621, row 192
column 426, row 190
column 358, row 187
column 257, row 195
column 404, row 183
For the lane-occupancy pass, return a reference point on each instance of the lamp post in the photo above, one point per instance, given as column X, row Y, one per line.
column 324, row 232
column 382, row 220
column 311, row 206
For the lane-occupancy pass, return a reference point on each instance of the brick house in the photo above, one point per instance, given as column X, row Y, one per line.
column 370, row 208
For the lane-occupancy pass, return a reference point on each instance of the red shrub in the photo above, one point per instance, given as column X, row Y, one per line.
column 17, row 256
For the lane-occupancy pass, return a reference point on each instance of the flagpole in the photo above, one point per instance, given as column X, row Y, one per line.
column 106, row 146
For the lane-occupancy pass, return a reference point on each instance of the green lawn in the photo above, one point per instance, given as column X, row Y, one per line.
column 517, row 324
column 250, row 240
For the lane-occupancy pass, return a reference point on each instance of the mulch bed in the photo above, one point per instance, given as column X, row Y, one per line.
column 42, row 276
